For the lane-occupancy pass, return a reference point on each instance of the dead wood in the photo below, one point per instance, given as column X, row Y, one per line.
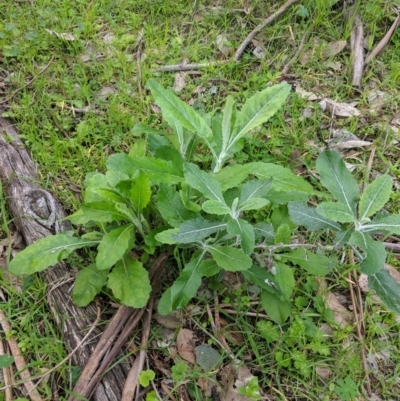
column 38, row 214
column 357, row 52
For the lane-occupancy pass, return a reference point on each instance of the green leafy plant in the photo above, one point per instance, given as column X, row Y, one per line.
column 346, row 389
column 251, row 390
column 146, row 376
column 156, row 197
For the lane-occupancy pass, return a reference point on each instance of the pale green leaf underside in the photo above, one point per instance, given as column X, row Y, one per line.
column 387, row 288
column 389, row 224
column 258, row 109
column 46, row 252
column 375, row 196
column 196, row 230
column 174, row 109
column 213, row 206
column 309, row 218
column 203, row 182
column 282, row 178
column 336, row 211
column 230, row 259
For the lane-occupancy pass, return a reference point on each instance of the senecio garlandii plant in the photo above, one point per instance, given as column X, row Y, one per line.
column 156, row 197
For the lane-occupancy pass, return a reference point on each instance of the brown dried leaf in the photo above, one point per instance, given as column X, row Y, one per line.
column 339, row 109
column 306, row 95
column 342, row 316
column 179, row 81
column 331, row 49
column 185, row 343
column 323, row 373
column 64, row 36
column 169, row 321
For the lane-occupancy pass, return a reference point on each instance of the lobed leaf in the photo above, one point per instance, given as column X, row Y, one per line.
column 129, row 282
column 88, row 284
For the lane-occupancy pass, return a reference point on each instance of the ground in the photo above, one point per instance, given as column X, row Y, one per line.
column 73, row 79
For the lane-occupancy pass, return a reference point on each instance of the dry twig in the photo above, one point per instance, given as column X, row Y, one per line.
column 131, row 382
column 20, row 361
column 189, row 67
column 28, row 83
column 357, row 52
column 260, row 27
column 384, row 41
column 359, row 317
column 6, row 375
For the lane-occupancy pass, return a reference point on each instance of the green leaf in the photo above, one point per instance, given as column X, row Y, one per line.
column 139, row 148
column 46, row 252
column 261, row 278
column 171, row 207
column 317, row 265
column 233, row 175
column 285, row 279
column 253, row 204
column 309, row 218
column 283, row 234
column 228, row 120
column 374, row 252
column 146, row 376
column 336, row 211
column 387, row 289
column 258, row 109
column 88, row 284
column 245, row 230
column 158, row 170
column 165, row 237
column 107, row 195
column 337, row 179
column 207, row 358
column 230, row 259
column 276, row 309
column 186, row 194
column 346, row 389
column 140, row 192
column 282, row 178
column 114, row 245
column 100, row 212
column 264, row 230
column 209, row 268
column 375, row 196
column 196, row 230
column 129, row 282
column 269, row 331
column 184, row 288
column 213, row 206
column 254, row 189
column 122, row 164
column 389, row 224
column 175, row 110
column 6, row 361
column 203, row 182
column 282, row 198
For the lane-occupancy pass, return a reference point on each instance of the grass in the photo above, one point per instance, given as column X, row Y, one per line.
column 84, row 107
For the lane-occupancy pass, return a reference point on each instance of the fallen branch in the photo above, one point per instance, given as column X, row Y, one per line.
column 132, row 380
column 357, row 52
column 289, row 64
column 19, row 361
column 261, row 26
column 384, row 41
column 28, row 83
column 188, row 67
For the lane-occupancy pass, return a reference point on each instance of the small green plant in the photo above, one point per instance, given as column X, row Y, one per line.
column 146, row 376
column 155, row 197
column 346, row 389
column 251, row 390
